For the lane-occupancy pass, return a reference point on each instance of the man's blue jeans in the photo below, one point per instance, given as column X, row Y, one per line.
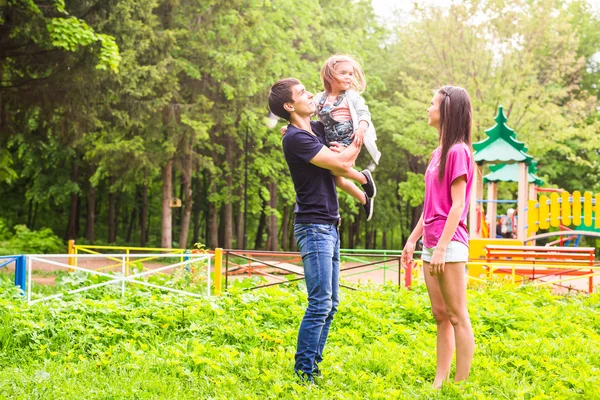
column 319, row 246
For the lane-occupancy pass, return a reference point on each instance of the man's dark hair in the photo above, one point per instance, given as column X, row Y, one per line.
column 281, row 93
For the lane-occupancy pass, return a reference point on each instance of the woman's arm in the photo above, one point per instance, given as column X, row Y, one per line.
column 411, row 243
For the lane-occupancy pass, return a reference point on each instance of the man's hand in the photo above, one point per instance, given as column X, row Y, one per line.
column 283, row 130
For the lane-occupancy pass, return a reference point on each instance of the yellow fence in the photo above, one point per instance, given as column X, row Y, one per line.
column 91, row 249
column 563, row 209
column 489, row 269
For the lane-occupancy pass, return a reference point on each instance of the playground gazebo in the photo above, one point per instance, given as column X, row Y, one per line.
column 501, row 148
column 507, row 173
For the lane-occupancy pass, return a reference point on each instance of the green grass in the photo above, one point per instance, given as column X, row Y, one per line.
column 530, row 345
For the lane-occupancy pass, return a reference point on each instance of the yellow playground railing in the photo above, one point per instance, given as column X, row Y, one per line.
column 563, row 209
column 91, row 249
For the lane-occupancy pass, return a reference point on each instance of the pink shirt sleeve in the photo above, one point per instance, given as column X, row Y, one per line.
column 458, row 162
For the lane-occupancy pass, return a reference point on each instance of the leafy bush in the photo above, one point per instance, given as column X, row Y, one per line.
column 25, row 241
column 530, row 344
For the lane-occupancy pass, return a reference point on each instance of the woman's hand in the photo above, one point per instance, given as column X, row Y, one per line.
column 436, row 266
column 407, row 254
column 283, row 130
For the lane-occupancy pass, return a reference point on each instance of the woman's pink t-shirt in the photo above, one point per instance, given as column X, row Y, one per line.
column 438, row 195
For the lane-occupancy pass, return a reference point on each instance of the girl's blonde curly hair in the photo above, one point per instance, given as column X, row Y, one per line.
column 328, row 73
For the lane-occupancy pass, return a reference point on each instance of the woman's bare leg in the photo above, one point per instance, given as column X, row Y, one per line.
column 445, row 331
column 453, row 287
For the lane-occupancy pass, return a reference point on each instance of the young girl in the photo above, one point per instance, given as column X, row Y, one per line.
column 346, row 118
column 443, row 225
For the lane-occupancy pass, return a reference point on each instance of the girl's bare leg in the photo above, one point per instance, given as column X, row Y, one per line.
column 356, row 176
column 351, row 188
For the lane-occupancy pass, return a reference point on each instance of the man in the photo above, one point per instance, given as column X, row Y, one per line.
column 311, row 164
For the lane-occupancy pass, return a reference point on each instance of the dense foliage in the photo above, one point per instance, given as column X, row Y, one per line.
column 530, row 344
column 21, row 240
column 109, row 109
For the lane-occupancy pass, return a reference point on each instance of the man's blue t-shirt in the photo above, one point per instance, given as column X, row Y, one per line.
column 316, row 195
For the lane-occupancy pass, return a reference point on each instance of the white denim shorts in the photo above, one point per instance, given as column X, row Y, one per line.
column 456, row 252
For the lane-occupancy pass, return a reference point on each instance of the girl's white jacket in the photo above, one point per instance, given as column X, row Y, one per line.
column 360, row 112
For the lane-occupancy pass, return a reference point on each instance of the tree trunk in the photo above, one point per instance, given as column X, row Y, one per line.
column 228, row 206
column 29, row 214
column 132, row 218
column 407, row 217
column 35, row 210
column 384, row 240
column 166, row 240
column 374, row 238
column 131, row 223
column 72, row 225
column 357, row 231
column 272, row 229
column 186, row 178
column 293, row 246
column 207, row 222
column 351, row 235
column 284, row 228
column 261, row 227
column 213, row 223
column 240, row 219
column 143, row 215
column 416, row 215
column 2, row 108
column 196, row 210
column 228, row 224
column 118, row 198
column 111, row 211
column 181, row 210
column 90, row 221
column 221, row 225
column 78, row 216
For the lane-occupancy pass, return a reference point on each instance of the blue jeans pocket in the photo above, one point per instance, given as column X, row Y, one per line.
column 309, row 236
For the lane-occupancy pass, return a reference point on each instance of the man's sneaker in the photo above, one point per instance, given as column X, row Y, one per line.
column 316, row 371
column 369, row 207
column 306, row 378
column 369, row 187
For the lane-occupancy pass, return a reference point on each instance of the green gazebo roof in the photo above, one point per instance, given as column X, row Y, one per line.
column 510, row 173
column 501, row 146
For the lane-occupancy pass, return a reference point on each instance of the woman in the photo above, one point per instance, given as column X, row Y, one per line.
column 443, row 225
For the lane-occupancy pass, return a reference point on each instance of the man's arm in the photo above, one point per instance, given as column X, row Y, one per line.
column 338, row 163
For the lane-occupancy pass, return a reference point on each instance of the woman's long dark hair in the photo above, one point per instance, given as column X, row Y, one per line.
column 456, row 115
